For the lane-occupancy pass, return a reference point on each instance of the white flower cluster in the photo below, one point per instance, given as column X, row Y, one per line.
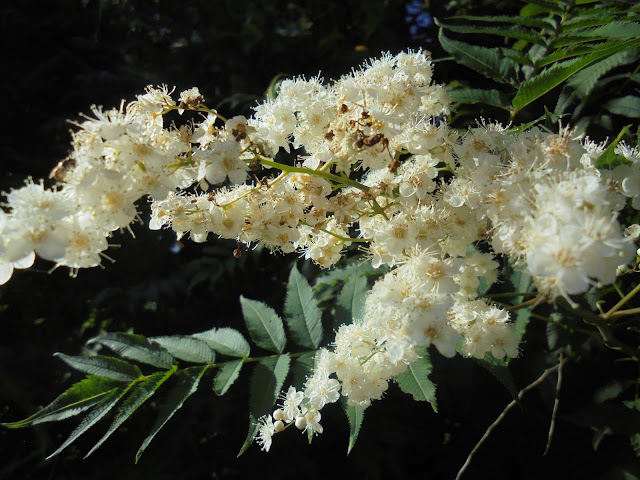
column 376, row 148
column 301, row 409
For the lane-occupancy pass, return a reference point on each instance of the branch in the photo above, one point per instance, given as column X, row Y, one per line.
column 504, row 412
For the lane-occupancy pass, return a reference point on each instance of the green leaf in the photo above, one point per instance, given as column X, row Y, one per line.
column 628, row 106
column 613, row 415
column 523, row 316
column 550, row 78
column 302, row 368
column 554, row 332
column 334, row 277
column 415, row 381
column 487, row 61
column 499, row 369
column 93, row 417
column 226, row 341
column 585, row 80
column 355, row 416
column 564, row 53
column 187, row 383
column 227, row 374
column 585, row 21
column 266, row 382
column 522, row 282
column 548, row 6
column 351, row 300
column 140, row 393
column 264, row 325
column 302, row 313
column 476, row 95
column 78, row 398
column 609, row 155
column 108, row 367
column 509, row 32
column 187, row 348
column 541, row 23
column 136, row 347
column 610, row 31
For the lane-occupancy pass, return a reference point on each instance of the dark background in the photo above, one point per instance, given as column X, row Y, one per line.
column 62, row 56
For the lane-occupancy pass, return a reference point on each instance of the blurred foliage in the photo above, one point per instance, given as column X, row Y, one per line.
column 579, row 58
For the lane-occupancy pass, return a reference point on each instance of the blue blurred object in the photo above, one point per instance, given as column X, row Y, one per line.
column 418, row 18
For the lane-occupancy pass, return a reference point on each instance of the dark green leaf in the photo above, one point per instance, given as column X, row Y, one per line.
column 415, row 381
column 564, row 53
column 499, row 369
column 80, row 397
column 351, row 300
column 525, row 21
column 108, row 367
column 140, row 393
column 264, row 387
column 609, row 155
column 355, row 416
column 475, row 95
column 264, row 325
column 509, row 32
column 585, row 21
column 613, row 415
column 610, row 31
column 611, row 390
column 487, row 61
column 226, row 341
column 548, row 5
column 93, row 417
column 187, row 348
column 554, row 331
column 187, row 383
column 302, row 314
column 136, row 347
column 225, row 377
column 585, row 80
column 628, row 106
column 523, row 316
column 302, row 368
column 550, row 78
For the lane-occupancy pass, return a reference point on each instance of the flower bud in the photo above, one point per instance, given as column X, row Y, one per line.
column 301, row 423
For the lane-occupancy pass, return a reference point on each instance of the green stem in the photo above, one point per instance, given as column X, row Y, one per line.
column 621, row 313
column 339, row 237
column 257, row 359
column 319, row 173
column 255, row 189
column 511, row 294
column 204, row 108
column 622, row 302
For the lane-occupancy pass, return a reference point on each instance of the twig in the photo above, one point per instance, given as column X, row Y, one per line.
column 534, row 301
column 504, row 412
column 555, row 408
column 622, row 302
